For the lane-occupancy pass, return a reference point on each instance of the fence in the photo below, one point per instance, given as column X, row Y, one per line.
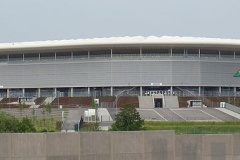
column 209, row 103
column 107, row 105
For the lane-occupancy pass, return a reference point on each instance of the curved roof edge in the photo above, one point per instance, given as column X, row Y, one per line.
column 137, row 40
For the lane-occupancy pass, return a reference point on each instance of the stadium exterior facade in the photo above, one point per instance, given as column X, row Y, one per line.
column 109, row 66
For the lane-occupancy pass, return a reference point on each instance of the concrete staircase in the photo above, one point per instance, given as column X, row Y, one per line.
column 73, row 117
column 104, row 115
column 146, row 102
column 105, row 119
column 48, row 100
column 171, row 102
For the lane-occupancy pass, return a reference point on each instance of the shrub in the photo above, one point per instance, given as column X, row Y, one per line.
column 128, row 119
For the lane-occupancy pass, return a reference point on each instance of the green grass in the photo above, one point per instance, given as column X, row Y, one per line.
column 195, row 127
column 45, row 125
column 88, row 127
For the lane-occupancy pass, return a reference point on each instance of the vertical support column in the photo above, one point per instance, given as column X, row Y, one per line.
column 39, row 56
column 199, row 91
column 23, row 57
column 23, row 92
column 234, row 55
column 88, row 54
column 219, row 54
column 235, row 91
column 199, row 53
column 171, row 52
column 171, row 90
column 111, row 53
column 219, row 91
column 71, row 92
column 55, row 56
column 39, row 92
column 88, row 91
column 111, row 91
column 140, row 91
column 8, row 93
column 71, row 55
column 140, row 53
column 55, row 92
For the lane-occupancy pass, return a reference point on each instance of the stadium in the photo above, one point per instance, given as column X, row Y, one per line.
column 172, row 65
column 152, row 72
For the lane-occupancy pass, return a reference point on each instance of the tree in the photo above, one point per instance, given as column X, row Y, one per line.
column 48, row 108
column 22, row 106
column 33, row 113
column 128, row 119
column 95, row 106
column 9, row 124
column 26, row 126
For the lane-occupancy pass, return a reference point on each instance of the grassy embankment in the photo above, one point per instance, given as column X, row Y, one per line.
column 48, row 123
column 195, row 127
column 42, row 121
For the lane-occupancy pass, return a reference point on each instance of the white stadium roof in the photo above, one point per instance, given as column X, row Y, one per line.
column 137, row 41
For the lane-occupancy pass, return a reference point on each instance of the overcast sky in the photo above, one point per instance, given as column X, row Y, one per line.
column 35, row 20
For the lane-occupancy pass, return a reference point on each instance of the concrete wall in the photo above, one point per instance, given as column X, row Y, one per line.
column 147, row 145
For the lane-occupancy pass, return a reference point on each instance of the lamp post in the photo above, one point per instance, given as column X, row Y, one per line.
column 95, row 104
column 228, row 93
column 234, row 100
column 9, row 99
column 58, row 94
column 118, row 95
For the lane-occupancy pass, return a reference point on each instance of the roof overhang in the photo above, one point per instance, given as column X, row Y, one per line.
column 121, row 42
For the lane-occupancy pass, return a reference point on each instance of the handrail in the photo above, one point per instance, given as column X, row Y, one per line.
column 187, row 91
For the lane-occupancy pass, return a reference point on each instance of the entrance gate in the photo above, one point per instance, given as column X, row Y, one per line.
column 158, row 103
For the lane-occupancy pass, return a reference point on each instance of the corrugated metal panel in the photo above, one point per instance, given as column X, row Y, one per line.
column 119, row 73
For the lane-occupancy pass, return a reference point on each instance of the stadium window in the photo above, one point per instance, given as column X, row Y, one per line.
column 227, row 54
column 3, row 58
column 47, row 56
column 100, row 54
column 126, row 53
column 63, row 55
column 178, row 52
column 80, row 55
column 192, row 53
column 31, row 56
column 157, row 52
column 237, row 55
column 15, row 57
column 209, row 53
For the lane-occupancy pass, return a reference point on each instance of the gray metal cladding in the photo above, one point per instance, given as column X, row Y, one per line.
column 106, row 73
column 186, row 73
column 219, row 73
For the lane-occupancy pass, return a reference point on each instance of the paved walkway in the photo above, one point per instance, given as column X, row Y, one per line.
column 104, row 115
column 104, row 118
column 231, row 113
column 74, row 116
